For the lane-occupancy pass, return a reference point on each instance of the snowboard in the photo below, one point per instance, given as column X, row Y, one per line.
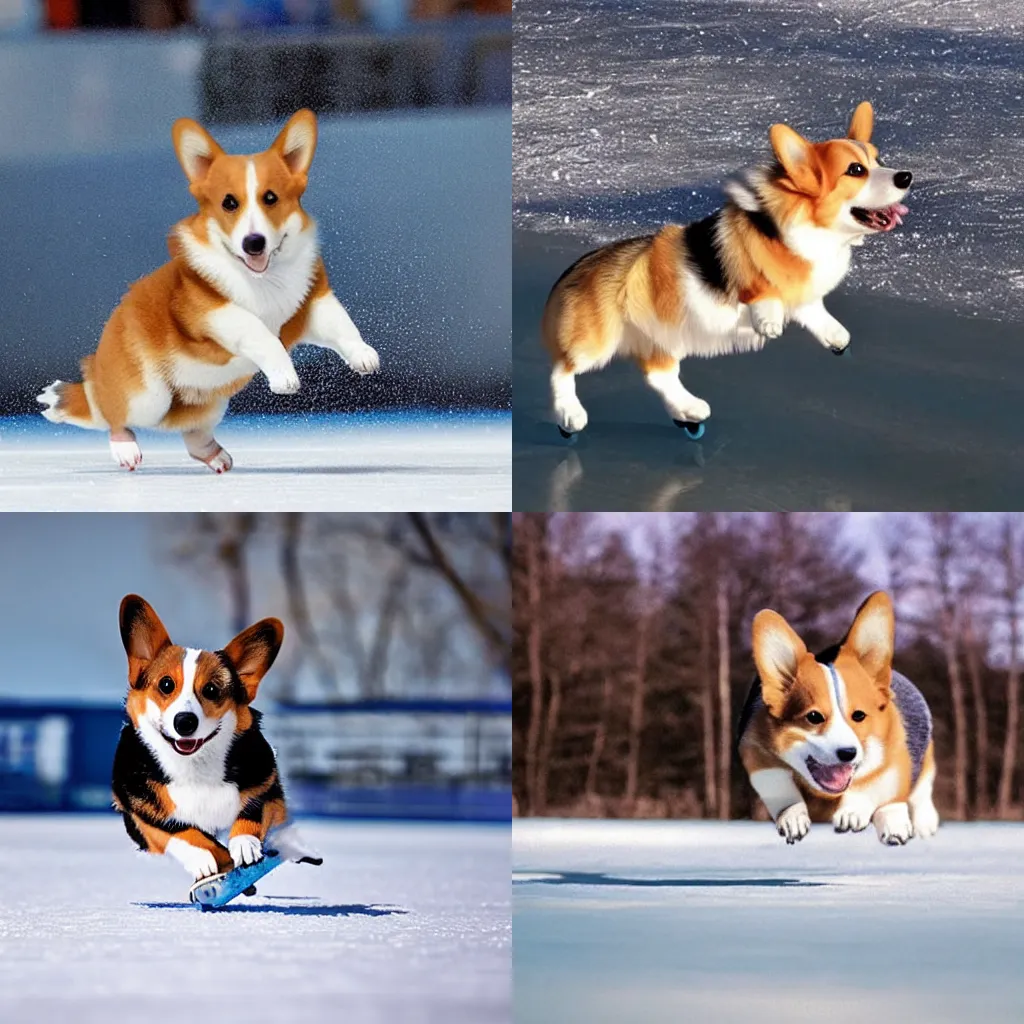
column 217, row 890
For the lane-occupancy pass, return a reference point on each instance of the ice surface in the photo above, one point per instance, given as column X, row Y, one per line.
column 627, row 115
column 403, row 923
column 357, row 463
column 719, row 922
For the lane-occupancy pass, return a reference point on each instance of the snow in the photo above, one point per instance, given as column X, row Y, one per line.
column 359, row 463
column 722, row 922
column 403, row 922
column 628, row 115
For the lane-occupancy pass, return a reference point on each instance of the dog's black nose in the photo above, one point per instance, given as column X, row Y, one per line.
column 843, row 753
column 185, row 723
column 901, row 179
column 253, row 245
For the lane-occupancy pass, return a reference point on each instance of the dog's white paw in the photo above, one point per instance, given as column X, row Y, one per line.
column 284, row 381
column 925, row 820
column 768, row 319
column 694, row 410
column 835, row 337
column 853, row 815
column 221, row 462
column 126, row 454
column 793, row 823
column 50, row 397
column 892, row 823
column 245, row 849
column 364, row 360
column 571, row 415
column 199, row 863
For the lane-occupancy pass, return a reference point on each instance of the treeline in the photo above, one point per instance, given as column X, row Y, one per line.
column 631, row 648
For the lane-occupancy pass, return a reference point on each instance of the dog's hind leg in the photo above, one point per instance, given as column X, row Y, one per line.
column 661, row 371
column 569, row 411
column 203, row 447
column 923, row 815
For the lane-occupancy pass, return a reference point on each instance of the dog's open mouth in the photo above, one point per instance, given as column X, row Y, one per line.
column 189, row 744
column 885, row 218
column 259, row 262
column 832, row 778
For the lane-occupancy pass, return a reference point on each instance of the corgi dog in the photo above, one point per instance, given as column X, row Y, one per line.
column 728, row 283
column 244, row 285
column 840, row 737
column 191, row 764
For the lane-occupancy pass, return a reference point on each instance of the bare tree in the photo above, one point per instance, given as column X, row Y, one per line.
column 944, row 554
column 724, row 698
column 1010, row 559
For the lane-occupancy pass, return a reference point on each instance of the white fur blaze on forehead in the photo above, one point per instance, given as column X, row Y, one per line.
column 188, row 668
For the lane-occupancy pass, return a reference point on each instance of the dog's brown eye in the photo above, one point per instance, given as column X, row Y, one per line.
column 166, row 685
column 210, row 692
column 269, row 197
column 815, row 717
column 856, row 170
column 230, row 203
column 858, row 716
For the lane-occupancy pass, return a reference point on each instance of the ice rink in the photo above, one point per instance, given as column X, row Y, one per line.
column 403, row 923
column 712, row 923
column 322, row 463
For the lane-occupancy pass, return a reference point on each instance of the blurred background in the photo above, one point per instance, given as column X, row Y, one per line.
column 391, row 695
column 631, row 648
column 410, row 186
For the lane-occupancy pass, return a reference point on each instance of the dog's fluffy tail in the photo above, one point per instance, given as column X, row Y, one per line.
column 69, row 403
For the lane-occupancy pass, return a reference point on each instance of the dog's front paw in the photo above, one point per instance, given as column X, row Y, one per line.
column 793, row 823
column 853, row 815
column 245, row 849
column 768, row 319
column 199, row 863
column 925, row 820
column 835, row 337
column 284, row 381
column 892, row 823
column 364, row 360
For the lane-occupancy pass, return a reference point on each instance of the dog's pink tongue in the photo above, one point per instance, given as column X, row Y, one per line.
column 187, row 746
column 834, row 777
column 257, row 264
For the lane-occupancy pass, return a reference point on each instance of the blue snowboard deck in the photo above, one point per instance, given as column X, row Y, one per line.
column 217, row 890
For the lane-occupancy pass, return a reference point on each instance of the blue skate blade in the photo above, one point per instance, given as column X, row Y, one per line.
column 221, row 889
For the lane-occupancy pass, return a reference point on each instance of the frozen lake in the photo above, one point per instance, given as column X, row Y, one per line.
column 317, row 463
column 922, row 412
column 403, row 922
column 714, row 923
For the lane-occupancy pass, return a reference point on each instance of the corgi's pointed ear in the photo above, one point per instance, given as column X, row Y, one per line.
column 253, row 651
column 142, row 633
column 796, row 155
column 196, row 148
column 777, row 654
column 872, row 639
column 297, row 142
column 862, row 123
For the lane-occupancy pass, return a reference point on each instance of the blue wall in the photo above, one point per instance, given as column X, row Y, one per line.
column 58, row 757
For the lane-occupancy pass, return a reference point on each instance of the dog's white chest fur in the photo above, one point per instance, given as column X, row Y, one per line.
column 828, row 253
column 276, row 295
column 209, row 806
